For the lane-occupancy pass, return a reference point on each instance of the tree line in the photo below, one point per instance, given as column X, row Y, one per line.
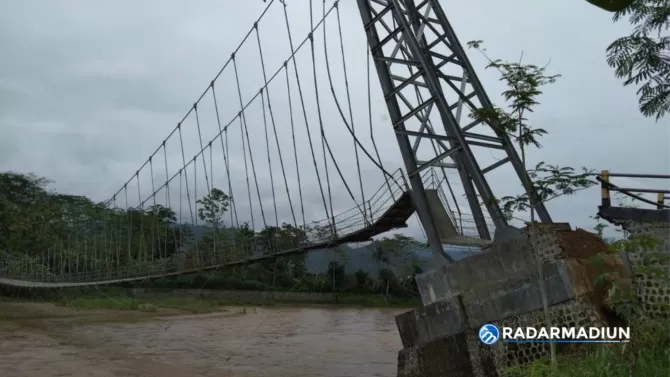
column 46, row 233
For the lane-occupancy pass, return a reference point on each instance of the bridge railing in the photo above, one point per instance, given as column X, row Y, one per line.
column 362, row 215
column 464, row 222
column 432, row 181
column 607, row 187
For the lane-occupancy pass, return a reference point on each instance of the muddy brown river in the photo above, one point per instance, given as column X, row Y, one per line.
column 258, row 342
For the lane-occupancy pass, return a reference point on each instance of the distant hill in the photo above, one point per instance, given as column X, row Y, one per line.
column 361, row 257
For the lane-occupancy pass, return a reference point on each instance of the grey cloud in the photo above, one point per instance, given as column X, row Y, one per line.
column 89, row 90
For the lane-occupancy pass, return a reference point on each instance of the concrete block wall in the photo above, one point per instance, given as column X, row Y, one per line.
column 652, row 290
column 462, row 353
column 575, row 312
column 500, row 285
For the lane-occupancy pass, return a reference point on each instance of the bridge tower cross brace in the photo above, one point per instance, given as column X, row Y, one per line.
column 414, row 49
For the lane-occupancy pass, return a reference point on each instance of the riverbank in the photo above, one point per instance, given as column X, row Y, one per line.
column 198, row 301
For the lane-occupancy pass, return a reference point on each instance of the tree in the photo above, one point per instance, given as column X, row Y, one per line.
column 336, row 274
column 322, row 233
column 59, row 233
column 338, row 265
column 341, row 255
column 245, row 237
column 416, row 270
column 292, row 237
column 400, row 242
column 643, row 57
column 388, row 248
column 24, row 208
column 523, row 83
column 269, row 239
column 164, row 214
column 298, row 266
column 213, row 206
column 388, row 279
column 401, row 248
column 273, row 239
column 361, row 279
column 379, row 254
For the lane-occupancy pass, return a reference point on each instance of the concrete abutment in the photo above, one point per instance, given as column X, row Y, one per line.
column 500, row 285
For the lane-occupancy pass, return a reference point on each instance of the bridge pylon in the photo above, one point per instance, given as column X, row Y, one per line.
column 416, row 54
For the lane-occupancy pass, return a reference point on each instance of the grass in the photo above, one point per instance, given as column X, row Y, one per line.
column 204, row 305
column 64, row 309
column 129, row 305
column 603, row 362
column 5, row 313
column 120, row 300
column 377, row 301
column 183, row 304
column 648, row 355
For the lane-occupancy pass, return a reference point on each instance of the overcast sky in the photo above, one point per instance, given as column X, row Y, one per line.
column 89, row 89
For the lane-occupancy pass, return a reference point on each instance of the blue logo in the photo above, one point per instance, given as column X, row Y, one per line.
column 489, row 334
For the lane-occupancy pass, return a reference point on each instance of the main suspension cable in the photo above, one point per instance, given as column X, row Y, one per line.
column 304, row 111
column 274, row 128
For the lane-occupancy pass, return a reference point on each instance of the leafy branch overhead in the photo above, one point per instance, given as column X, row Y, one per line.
column 643, row 57
column 550, row 182
column 523, row 83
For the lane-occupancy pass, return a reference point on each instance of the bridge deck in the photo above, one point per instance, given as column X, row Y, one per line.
column 620, row 215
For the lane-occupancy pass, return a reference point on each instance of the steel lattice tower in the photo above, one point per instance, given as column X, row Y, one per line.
column 416, row 54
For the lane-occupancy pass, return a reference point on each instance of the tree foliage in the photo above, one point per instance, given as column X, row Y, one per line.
column 550, row 182
column 57, row 234
column 212, row 207
column 68, row 233
column 643, row 57
column 523, row 88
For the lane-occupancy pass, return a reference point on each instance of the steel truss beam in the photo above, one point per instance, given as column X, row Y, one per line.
column 416, row 55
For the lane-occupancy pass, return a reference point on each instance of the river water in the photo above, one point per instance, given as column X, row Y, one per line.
column 258, row 342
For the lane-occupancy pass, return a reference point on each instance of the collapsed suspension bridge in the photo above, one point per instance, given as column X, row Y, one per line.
column 267, row 174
